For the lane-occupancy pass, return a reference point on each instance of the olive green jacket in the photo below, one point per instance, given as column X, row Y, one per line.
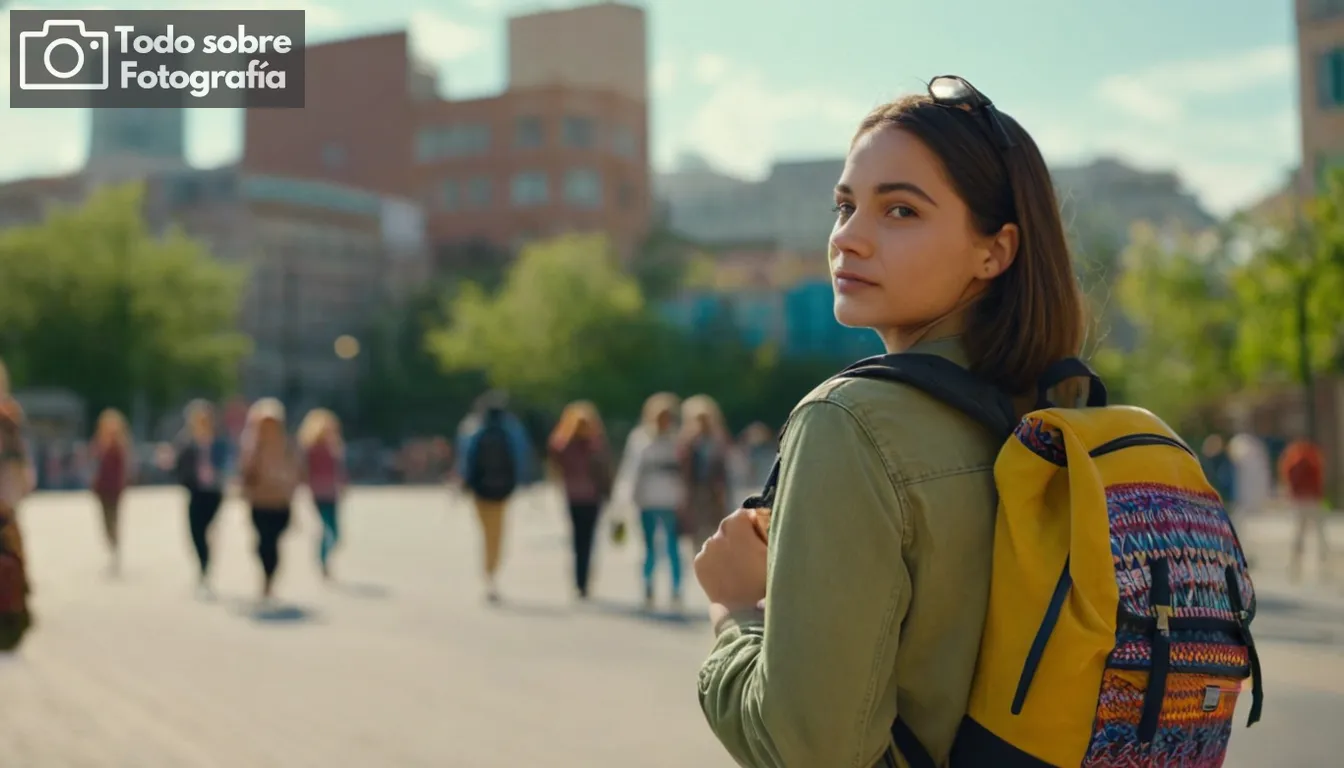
column 878, row 581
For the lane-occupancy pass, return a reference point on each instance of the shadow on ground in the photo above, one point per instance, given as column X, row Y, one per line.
column 274, row 612
column 362, row 590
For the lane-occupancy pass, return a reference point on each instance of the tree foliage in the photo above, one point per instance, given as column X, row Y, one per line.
column 92, row 301
column 1260, row 302
column 568, row 323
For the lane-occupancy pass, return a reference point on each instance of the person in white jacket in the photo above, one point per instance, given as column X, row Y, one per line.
column 650, row 481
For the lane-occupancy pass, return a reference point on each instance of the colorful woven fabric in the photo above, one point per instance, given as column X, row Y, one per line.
column 1042, row 439
column 1189, row 528
column 1193, row 730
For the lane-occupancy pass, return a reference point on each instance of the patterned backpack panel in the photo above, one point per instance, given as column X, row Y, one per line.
column 1185, row 598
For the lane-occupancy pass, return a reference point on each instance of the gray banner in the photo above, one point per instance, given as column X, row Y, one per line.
column 156, row 59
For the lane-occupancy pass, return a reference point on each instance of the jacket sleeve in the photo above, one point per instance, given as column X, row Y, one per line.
column 803, row 685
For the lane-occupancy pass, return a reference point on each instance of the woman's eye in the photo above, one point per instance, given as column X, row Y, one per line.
column 843, row 210
column 901, row 211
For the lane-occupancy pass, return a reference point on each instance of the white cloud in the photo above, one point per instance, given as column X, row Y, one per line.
column 709, row 67
column 744, row 122
column 1163, row 93
column 436, row 37
column 665, row 75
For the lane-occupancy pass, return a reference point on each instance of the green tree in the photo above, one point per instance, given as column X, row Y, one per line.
column 566, row 322
column 92, row 301
column 1292, row 292
column 1177, row 290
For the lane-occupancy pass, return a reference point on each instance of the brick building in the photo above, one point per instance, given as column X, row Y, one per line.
column 563, row 148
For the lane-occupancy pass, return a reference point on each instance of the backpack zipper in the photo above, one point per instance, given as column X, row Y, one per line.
column 1135, row 440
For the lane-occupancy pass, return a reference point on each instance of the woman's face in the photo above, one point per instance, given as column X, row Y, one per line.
column 269, row 431
column 904, row 252
column 202, row 424
column 703, row 425
column 664, row 422
column 583, row 427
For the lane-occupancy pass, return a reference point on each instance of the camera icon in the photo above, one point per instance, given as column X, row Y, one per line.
column 38, row 71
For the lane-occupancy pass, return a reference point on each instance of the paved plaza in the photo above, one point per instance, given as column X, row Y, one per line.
column 401, row 663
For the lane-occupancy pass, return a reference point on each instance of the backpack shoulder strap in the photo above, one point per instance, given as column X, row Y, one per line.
column 935, row 376
column 946, row 382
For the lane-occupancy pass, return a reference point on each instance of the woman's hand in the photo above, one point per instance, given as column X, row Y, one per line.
column 731, row 565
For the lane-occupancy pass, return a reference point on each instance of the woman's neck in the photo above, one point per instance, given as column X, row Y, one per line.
column 901, row 339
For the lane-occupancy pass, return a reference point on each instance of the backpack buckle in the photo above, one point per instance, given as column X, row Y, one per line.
column 1164, row 613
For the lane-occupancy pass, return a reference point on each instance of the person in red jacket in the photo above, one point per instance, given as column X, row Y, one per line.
column 114, row 457
column 1302, row 473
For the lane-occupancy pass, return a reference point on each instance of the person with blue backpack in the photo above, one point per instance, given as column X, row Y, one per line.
column 963, row 555
column 495, row 460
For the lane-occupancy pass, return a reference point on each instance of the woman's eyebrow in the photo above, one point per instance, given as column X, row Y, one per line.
column 888, row 187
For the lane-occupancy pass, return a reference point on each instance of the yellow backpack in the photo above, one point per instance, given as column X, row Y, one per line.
column 1118, row 630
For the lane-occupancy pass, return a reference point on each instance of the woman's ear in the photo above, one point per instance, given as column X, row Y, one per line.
column 1000, row 252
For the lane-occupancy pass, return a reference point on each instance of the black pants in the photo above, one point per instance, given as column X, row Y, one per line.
column 583, row 519
column 202, row 506
column 270, row 524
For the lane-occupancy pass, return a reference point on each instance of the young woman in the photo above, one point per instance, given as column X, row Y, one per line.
column 271, row 473
column 202, row 464
column 17, row 480
column 324, row 455
column 578, row 449
column 703, row 449
column 650, row 480
column 113, row 464
column 947, row 241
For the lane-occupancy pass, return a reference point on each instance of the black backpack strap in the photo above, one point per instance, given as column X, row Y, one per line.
column 909, row 746
column 945, row 381
column 935, row 376
column 1071, row 368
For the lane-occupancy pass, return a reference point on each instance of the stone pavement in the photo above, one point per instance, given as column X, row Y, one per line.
column 401, row 664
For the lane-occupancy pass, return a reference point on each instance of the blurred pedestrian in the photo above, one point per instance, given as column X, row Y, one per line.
column 324, row 454
column 1302, row 473
column 271, row 472
column 650, row 480
column 495, row 459
column 1219, row 469
column 114, row 463
column 202, row 462
column 578, row 449
column 17, row 479
column 1253, row 483
column 702, row 451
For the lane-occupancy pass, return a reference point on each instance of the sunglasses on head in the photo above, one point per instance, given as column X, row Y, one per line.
column 953, row 91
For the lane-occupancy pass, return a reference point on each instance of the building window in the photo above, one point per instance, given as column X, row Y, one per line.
column 583, row 188
column 623, row 141
column 578, row 132
column 1330, row 79
column 479, row 192
column 1324, row 9
column 529, row 188
column 448, row 195
column 333, row 156
column 438, row 142
column 529, row 133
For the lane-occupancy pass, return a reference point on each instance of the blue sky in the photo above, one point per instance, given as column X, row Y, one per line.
column 1205, row 87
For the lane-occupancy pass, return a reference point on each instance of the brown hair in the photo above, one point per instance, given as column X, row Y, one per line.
column 1032, row 314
